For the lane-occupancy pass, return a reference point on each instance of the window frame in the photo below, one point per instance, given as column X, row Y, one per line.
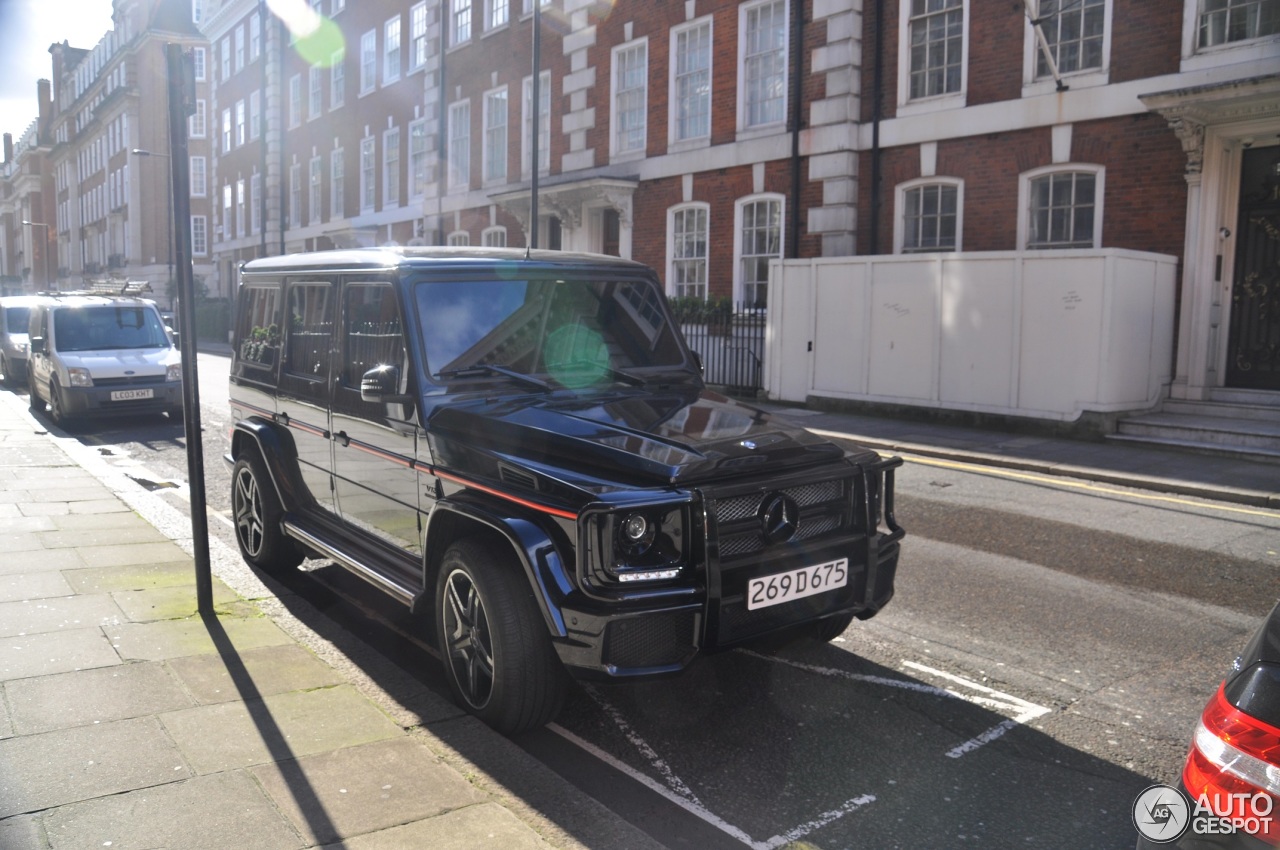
column 368, row 174
column 672, row 214
column 739, row 284
column 418, row 160
column 368, row 62
column 1195, row 58
column 338, row 80
column 745, row 127
column 526, row 125
column 199, row 176
column 458, row 177
column 255, row 114
column 616, row 129
column 337, row 184
column 392, row 50
column 674, row 140
column 1084, row 78
column 1025, row 181
column 458, row 33
column 391, row 181
column 295, row 101
column 418, row 37
column 196, row 124
column 486, row 236
column 494, row 155
column 315, row 190
column 199, row 235
column 931, row 103
column 900, row 205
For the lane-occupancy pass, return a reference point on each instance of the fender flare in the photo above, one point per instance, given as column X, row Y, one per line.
column 530, row 543
column 274, row 447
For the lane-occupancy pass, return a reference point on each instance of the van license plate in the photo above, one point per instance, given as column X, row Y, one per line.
column 796, row 584
column 130, row 395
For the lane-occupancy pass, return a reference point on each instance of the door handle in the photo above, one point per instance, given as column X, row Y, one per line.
column 342, row 438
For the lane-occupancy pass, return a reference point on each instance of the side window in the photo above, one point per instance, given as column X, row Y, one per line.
column 371, row 334
column 258, row 328
column 310, row 329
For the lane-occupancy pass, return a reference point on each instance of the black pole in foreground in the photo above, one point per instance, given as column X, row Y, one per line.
column 181, row 105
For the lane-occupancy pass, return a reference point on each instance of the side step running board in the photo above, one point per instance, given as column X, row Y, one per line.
column 349, row 562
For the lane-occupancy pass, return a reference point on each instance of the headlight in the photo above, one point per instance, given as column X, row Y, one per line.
column 173, row 372
column 79, row 377
column 648, row 544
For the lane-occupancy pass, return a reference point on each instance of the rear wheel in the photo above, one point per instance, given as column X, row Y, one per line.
column 497, row 654
column 33, row 398
column 257, row 513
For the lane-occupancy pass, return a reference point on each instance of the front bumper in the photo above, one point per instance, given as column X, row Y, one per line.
column 97, row 401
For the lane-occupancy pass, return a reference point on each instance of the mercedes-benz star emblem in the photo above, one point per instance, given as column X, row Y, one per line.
column 779, row 516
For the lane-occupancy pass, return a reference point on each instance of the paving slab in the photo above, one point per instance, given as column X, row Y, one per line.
column 55, row 487
column 55, row 652
column 20, row 586
column 36, row 616
column 9, row 524
column 46, row 703
column 22, row 832
column 176, row 638
column 97, row 505
column 37, row 559
column 272, row 670
column 363, row 789
column 42, row 472
column 232, row 735
column 19, row 541
column 70, row 765
column 127, row 529
column 226, row 811
column 44, row 508
column 131, row 554
column 474, row 828
column 173, row 603
column 130, row 577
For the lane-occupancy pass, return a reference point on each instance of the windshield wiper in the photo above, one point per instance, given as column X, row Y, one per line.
column 494, row 369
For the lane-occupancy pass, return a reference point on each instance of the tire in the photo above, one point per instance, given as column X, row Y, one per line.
column 33, row 398
column 830, row 628
column 493, row 641
column 176, row 414
column 57, row 409
column 256, row 512
column 9, row 379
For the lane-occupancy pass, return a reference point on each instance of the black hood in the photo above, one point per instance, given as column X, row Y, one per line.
column 680, row 436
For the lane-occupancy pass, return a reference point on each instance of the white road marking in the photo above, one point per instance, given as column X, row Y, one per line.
column 655, row 761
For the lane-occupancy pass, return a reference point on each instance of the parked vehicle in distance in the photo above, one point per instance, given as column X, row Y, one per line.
column 1231, row 778
column 522, row 445
column 95, row 355
column 15, row 314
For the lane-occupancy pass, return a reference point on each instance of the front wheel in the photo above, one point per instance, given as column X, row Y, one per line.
column 33, row 398
column 497, row 654
column 57, row 407
column 257, row 513
column 830, row 628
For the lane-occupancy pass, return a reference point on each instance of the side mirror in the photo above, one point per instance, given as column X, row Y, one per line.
column 379, row 386
column 177, row 340
column 36, row 344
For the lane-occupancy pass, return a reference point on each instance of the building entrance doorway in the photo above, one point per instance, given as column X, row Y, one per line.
column 1253, row 352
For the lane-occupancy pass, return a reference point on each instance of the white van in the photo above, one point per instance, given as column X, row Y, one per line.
column 101, row 355
column 15, row 314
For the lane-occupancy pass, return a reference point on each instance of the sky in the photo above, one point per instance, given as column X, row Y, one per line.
column 27, row 28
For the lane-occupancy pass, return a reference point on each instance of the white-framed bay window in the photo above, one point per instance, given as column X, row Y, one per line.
column 928, row 216
column 757, row 239
column 687, row 252
column 1060, row 206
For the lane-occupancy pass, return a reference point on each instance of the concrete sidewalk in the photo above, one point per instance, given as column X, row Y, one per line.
column 126, row 721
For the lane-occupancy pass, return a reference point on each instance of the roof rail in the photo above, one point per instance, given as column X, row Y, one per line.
column 106, row 287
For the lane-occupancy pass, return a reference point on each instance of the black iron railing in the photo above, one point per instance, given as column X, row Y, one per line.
column 729, row 338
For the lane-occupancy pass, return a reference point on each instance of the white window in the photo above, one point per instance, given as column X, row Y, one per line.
column 690, row 96
column 1227, row 21
column 199, row 235
column 460, row 144
column 1061, row 207
column 199, row 177
column 459, row 237
column 496, row 13
column 763, row 51
column 337, row 186
column 494, row 237
column 239, row 47
column 418, row 158
column 687, row 251
column 314, row 189
column 240, row 123
column 224, row 55
column 391, row 168
column 368, row 61
column 226, row 130
column 630, row 97
column 295, row 100
column 1073, row 31
column 928, row 216
column 368, row 173
column 338, row 6
column 255, row 114
column 255, row 37
column 417, row 36
column 255, row 203
column 295, row 195
column 226, row 210
column 460, row 22
column 197, row 60
column 933, row 47
column 195, row 123
column 242, row 220
column 544, row 124
column 338, row 81
column 495, row 135
column 758, row 240
column 391, row 51
column 197, row 11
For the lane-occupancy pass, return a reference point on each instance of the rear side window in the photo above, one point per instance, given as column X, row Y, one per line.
column 310, row 329
column 258, row 327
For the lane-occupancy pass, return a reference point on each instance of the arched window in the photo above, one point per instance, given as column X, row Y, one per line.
column 1061, row 207
column 929, row 215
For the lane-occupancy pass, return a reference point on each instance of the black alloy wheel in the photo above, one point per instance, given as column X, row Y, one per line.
column 492, row 637
column 256, row 512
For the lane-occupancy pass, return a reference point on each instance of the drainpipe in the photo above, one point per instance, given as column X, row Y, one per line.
column 877, row 86
column 262, row 138
column 442, row 130
column 797, row 113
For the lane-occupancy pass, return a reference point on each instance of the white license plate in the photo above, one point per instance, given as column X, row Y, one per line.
column 129, row 395
column 796, row 584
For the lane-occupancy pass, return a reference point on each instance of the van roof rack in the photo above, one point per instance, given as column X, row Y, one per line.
column 107, row 287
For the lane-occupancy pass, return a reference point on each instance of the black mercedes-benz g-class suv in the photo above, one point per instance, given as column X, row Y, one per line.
column 523, row 445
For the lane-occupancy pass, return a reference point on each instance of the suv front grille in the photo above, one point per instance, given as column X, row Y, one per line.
column 825, row 507
column 129, row 381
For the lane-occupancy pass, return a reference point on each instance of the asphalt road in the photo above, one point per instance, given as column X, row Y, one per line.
column 1048, row 651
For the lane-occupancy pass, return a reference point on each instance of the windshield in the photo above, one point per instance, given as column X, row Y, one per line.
column 107, row 328
column 577, row 332
column 15, row 319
